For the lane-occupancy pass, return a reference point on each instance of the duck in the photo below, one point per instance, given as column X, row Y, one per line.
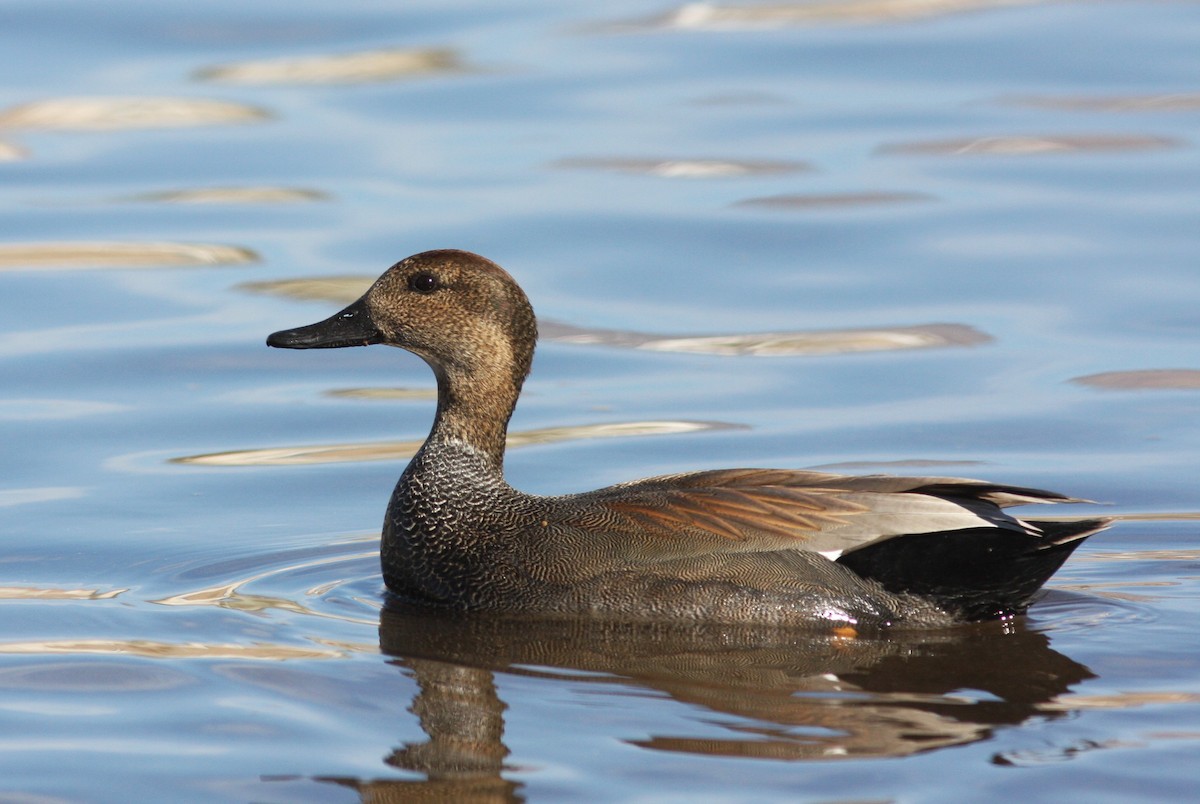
column 776, row 547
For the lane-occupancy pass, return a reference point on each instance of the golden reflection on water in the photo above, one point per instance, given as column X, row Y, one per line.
column 1143, row 380
column 829, row 342
column 685, row 168
column 758, row 16
column 43, row 593
column 403, row 450
column 338, row 289
column 1031, row 145
column 348, row 68
column 1126, row 700
column 232, row 195
column 115, row 113
column 12, row 153
column 345, row 289
column 1146, row 555
column 65, row 256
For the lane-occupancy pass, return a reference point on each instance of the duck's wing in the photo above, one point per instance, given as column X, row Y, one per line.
column 943, row 539
column 736, row 510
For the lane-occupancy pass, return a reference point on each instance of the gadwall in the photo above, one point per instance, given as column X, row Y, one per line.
column 771, row 546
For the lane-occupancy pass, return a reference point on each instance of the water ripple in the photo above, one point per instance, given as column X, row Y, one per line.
column 231, row 195
column 1085, row 607
column 334, row 582
column 1143, row 380
column 349, row 68
column 403, row 450
column 35, row 409
column 152, row 649
column 38, row 495
column 1035, row 145
column 803, row 202
column 283, row 576
column 45, row 593
column 704, row 16
column 68, row 256
column 116, row 114
column 685, row 168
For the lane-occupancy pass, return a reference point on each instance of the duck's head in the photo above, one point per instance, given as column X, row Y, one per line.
column 461, row 312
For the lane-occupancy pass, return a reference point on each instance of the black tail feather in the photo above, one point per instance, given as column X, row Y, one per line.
column 975, row 573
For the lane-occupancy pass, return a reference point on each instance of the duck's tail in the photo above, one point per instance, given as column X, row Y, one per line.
column 974, row 573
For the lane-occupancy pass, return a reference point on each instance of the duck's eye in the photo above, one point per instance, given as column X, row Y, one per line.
column 423, row 283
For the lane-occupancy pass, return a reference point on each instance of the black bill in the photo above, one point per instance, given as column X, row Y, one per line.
column 351, row 327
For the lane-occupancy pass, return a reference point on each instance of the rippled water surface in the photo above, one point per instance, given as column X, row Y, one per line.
column 952, row 237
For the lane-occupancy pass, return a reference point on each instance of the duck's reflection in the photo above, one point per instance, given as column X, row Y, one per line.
column 784, row 695
column 463, row 759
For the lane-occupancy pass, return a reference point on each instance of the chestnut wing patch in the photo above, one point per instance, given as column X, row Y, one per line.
column 734, row 513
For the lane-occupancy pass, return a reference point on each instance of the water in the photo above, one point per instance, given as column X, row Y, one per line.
column 957, row 238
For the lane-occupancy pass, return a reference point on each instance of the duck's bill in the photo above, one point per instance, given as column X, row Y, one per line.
column 351, row 327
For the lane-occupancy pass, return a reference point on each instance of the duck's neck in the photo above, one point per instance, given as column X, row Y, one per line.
column 473, row 413
column 444, row 512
